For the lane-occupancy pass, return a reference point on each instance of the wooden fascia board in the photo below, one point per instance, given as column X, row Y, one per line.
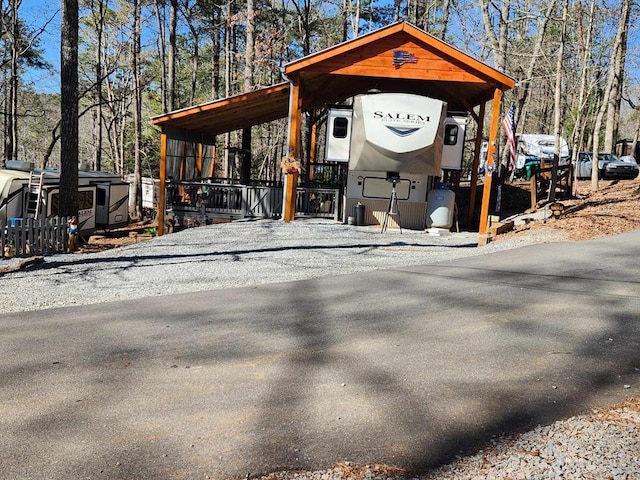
column 220, row 104
column 471, row 66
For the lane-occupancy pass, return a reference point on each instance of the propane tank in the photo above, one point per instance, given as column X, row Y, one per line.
column 440, row 207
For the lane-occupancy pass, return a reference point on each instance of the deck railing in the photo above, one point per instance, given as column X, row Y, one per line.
column 203, row 199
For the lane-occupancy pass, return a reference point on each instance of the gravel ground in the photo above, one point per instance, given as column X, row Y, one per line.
column 603, row 444
column 227, row 255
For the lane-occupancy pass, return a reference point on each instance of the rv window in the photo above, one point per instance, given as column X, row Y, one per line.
column 450, row 134
column 101, row 197
column 85, row 201
column 340, row 125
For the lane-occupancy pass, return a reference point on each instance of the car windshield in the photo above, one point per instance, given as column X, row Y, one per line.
column 609, row 157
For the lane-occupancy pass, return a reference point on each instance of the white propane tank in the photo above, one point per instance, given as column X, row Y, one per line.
column 440, row 207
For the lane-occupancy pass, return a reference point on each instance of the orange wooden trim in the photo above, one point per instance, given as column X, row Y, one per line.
column 199, row 160
column 476, row 163
column 486, row 189
column 400, row 29
column 291, row 187
column 163, row 182
column 295, row 122
column 206, row 107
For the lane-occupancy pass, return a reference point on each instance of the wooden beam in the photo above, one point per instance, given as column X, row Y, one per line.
column 163, row 182
column 295, row 123
column 199, row 160
column 212, row 164
column 486, row 189
column 474, row 167
column 312, row 148
column 245, row 160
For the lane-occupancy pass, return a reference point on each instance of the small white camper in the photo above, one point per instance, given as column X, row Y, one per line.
column 532, row 148
column 393, row 141
column 28, row 193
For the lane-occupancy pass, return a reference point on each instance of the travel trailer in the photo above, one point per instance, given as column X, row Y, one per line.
column 394, row 143
column 27, row 193
column 532, row 148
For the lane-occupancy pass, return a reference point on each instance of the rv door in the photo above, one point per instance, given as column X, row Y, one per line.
column 112, row 204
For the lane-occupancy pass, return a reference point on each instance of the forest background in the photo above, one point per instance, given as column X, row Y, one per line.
column 575, row 63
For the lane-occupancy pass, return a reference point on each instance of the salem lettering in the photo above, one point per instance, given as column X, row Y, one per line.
column 411, row 117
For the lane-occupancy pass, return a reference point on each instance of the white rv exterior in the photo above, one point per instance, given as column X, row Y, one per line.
column 534, row 147
column 102, row 197
column 398, row 135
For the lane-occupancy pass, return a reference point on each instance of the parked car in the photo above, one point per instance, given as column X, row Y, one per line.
column 609, row 166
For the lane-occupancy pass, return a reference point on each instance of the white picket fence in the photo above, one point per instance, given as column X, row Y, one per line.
column 28, row 237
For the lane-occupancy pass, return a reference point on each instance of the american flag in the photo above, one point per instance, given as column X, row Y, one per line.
column 400, row 57
column 508, row 126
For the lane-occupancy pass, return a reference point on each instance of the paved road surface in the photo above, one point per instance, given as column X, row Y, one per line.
column 406, row 366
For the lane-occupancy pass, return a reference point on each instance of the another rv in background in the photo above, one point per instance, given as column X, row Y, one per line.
column 535, row 148
column 26, row 192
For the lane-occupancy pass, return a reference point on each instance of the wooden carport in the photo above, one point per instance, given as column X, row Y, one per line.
column 397, row 58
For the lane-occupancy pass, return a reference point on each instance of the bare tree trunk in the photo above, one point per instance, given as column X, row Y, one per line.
column 162, row 53
column 97, row 111
column 249, row 53
column 611, row 80
column 346, row 5
column 173, row 53
column 215, row 58
column 500, row 41
column 227, row 84
column 445, row 18
column 11, row 127
column 578, row 130
column 191, row 20
column 135, row 203
column 557, row 121
column 397, row 4
column 68, row 205
column 613, row 102
column 303, row 8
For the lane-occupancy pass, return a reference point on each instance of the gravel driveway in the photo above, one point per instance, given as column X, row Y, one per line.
column 230, row 255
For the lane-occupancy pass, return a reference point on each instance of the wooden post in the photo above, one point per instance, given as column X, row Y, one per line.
column 295, row 117
column 163, row 182
column 486, row 189
column 199, row 159
column 474, row 168
column 534, row 190
column 291, row 186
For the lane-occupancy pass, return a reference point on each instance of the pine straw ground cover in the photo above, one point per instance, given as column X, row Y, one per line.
column 614, row 208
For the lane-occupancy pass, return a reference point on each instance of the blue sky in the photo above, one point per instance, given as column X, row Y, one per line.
column 36, row 13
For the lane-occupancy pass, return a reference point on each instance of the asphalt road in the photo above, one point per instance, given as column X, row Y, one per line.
column 407, row 366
